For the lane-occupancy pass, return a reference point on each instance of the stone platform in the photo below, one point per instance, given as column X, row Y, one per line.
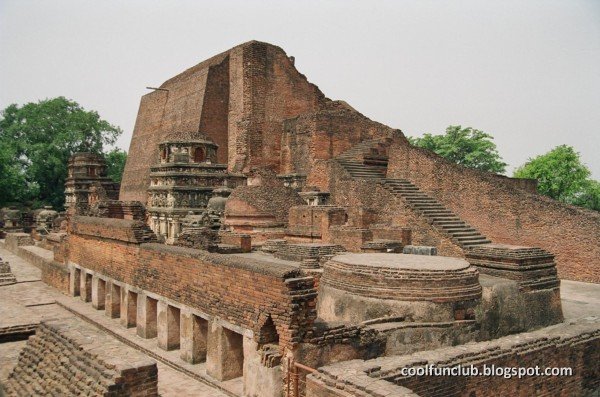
column 533, row 268
column 360, row 287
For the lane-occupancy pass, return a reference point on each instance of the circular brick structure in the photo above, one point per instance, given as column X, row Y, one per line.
column 360, row 287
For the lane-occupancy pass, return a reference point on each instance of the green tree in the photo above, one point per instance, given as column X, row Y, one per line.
column 465, row 146
column 590, row 196
column 40, row 137
column 562, row 176
column 13, row 186
column 115, row 161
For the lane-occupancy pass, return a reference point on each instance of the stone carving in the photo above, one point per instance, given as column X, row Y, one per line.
column 184, row 181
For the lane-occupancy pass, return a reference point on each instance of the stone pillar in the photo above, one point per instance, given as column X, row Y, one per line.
column 128, row 308
column 113, row 301
column 98, row 293
column 194, row 332
column 75, row 281
column 168, row 326
column 85, row 287
column 146, row 317
column 262, row 370
column 224, row 353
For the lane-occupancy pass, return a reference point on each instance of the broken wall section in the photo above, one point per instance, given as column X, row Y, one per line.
column 311, row 139
column 80, row 360
column 574, row 345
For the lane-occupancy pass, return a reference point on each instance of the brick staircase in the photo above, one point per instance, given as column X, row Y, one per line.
column 354, row 161
column 444, row 220
column 440, row 217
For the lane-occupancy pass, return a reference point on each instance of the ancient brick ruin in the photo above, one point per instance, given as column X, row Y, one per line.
column 263, row 231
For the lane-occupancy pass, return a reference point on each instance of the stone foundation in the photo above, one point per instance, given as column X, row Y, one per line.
column 574, row 345
column 360, row 287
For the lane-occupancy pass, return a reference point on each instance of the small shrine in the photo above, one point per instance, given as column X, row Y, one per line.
column 182, row 184
column 85, row 170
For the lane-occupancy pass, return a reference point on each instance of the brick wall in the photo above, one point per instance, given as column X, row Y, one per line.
column 213, row 119
column 273, row 91
column 314, row 137
column 54, row 273
column 69, row 357
column 360, row 197
column 505, row 213
column 242, row 291
column 574, row 345
column 238, row 98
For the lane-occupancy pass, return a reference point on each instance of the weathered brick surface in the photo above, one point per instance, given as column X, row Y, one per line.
column 575, row 345
column 15, row 240
column 68, row 357
column 318, row 136
column 314, row 221
column 261, row 211
column 54, row 273
column 113, row 229
column 238, row 98
column 364, row 196
column 242, row 291
column 504, row 212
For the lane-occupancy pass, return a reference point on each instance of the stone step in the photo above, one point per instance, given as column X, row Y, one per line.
column 432, row 209
column 475, row 242
column 477, row 237
column 361, row 169
column 413, row 198
column 357, row 174
column 450, row 223
column 403, row 189
column 364, row 172
column 424, row 201
column 466, row 233
column 437, row 219
column 368, row 176
column 451, row 229
column 455, row 230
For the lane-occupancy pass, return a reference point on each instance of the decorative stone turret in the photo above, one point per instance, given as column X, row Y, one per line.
column 182, row 184
column 85, row 170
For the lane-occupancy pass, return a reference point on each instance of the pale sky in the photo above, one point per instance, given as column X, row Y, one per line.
column 526, row 71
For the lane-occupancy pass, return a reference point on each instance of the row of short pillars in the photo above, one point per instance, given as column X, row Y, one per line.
column 174, row 328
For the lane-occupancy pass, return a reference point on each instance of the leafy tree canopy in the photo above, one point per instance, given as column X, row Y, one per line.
column 115, row 161
column 36, row 141
column 562, row 176
column 465, row 146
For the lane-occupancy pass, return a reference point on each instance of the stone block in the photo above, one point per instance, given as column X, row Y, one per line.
column 146, row 317
column 75, row 282
column 225, row 353
column 168, row 326
column 128, row 308
column 85, row 288
column 113, row 300
column 194, row 334
column 98, row 293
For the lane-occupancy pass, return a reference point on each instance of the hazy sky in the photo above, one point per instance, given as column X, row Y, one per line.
column 527, row 72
